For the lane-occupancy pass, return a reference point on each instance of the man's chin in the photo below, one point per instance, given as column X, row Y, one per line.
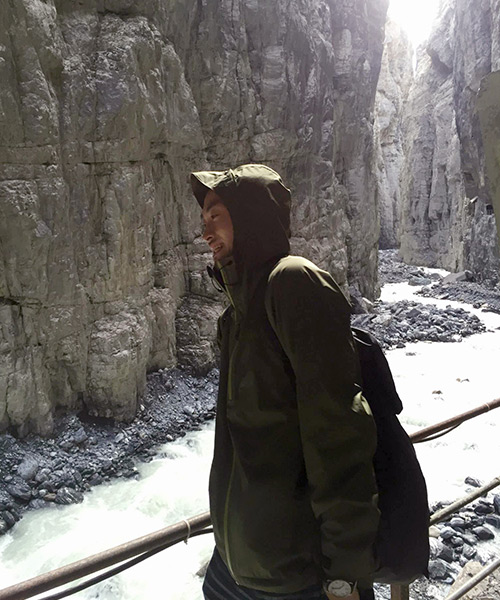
column 220, row 254
column 222, row 260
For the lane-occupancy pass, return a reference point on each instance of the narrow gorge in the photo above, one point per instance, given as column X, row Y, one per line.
column 436, row 194
column 108, row 105
column 107, row 313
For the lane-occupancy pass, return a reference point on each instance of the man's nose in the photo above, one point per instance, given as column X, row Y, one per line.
column 207, row 233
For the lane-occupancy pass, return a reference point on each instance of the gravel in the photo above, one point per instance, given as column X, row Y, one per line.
column 84, row 452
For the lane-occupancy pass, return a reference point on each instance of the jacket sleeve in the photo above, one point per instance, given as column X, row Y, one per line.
column 310, row 317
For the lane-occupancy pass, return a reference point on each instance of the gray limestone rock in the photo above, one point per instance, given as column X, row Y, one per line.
column 196, row 326
column 483, row 533
column 68, row 496
column 439, row 569
column 454, row 278
column 396, row 76
column 488, row 106
column 20, row 491
column 447, row 219
column 88, row 207
column 107, row 105
column 28, row 468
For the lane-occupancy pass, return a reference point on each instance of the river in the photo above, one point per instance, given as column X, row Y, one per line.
column 435, row 380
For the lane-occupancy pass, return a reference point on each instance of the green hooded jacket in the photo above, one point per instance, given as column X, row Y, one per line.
column 293, row 497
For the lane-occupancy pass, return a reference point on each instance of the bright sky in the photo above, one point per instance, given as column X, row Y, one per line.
column 414, row 17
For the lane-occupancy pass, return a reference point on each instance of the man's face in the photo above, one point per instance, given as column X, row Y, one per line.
column 217, row 226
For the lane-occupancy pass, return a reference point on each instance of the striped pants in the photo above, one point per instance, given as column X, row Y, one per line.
column 219, row 585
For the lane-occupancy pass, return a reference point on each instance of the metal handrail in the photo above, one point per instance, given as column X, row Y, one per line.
column 445, row 512
column 182, row 530
column 425, row 434
column 76, row 570
column 124, row 566
column 488, row 570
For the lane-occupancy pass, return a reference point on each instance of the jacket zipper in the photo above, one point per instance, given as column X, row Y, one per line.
column 226, row 528
column 228, row 493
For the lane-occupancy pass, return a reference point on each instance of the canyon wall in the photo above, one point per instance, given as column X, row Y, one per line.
column 488, row 107
column 447, row 219
column 106, row 106
column 396, row 77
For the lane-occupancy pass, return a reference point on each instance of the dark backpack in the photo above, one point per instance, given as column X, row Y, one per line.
column 402, row 544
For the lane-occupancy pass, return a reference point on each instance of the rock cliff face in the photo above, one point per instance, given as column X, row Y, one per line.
column 489, row 114
column 396, row 77
column 477, row 54
column 106, row 106
column 446, row 212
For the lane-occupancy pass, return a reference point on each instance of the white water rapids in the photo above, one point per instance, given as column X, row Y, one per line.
column 435, row 380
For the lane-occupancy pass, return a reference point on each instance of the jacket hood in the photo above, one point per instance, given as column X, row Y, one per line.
column 259, row 206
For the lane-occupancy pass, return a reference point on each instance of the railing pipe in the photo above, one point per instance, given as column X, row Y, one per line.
column 441, row 515
column 423, row 434
column 488, row 570
column 97, row 562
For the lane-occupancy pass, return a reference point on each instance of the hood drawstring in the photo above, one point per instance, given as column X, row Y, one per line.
column 215, row 278
column 224, row 274
column 226, row 278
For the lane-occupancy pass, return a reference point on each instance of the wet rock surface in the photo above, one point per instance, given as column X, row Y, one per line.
column 392, row 269
column 394, row 324
column 480, row 296
column 459, row 537
column 84, row 452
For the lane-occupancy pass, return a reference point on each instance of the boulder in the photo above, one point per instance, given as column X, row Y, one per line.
column 439, row 569
column 493, row 520
column 496, row 503
column 67, row 495
column 470, row 480
column 484, row 508
column 483, row 533
column 20, row 491
column 456, row 277
column 458, row 523
column 28, row 468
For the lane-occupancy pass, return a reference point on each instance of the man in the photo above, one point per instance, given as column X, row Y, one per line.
column 292, row 488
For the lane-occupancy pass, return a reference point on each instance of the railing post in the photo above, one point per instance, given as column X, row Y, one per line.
column 400, row 592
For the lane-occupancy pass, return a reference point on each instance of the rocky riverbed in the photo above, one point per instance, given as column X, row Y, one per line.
column 394, row 324
column 457, row 540
column 397, row 323
column 85, row 452
column 459, row 287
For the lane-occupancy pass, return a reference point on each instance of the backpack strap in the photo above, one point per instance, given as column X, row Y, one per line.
column 378, row 384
